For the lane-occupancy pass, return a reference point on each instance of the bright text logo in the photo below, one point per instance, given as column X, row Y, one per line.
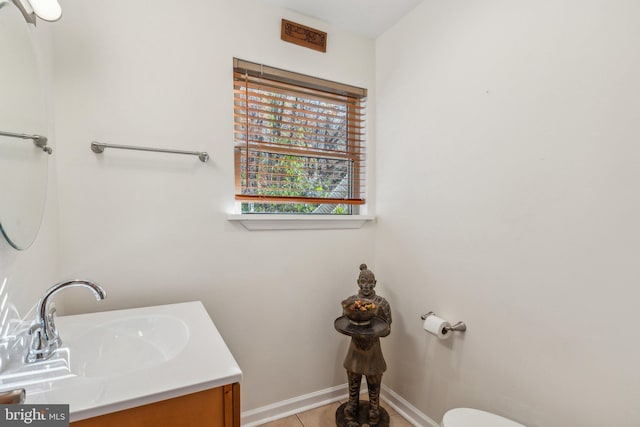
column 34, row 415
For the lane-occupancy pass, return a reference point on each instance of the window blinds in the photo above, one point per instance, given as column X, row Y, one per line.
column 298, row 139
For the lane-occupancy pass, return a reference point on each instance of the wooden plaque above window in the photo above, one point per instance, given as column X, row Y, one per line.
column 303, row 36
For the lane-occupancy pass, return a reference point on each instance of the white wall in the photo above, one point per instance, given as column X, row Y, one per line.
column 25, row 275
column 519, row 141
column 152, row 228
column 508, row 198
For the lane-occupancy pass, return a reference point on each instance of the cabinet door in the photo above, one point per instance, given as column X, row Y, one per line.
column 202, row 409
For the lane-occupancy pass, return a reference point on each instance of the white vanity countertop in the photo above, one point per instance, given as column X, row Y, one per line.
column 191, row 357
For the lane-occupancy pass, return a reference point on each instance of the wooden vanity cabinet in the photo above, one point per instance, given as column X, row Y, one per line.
column 216, row 407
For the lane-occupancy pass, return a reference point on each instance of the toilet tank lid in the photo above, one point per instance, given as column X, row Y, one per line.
column 468, row 417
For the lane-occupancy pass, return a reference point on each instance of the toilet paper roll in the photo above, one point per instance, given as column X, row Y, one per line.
column 437, row 326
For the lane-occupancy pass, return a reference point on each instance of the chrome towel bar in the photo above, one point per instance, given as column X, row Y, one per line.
column 98, row 147
column 38, row 140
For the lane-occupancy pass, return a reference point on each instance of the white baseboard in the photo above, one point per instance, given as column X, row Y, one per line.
column 406, row 409
column 285, row 408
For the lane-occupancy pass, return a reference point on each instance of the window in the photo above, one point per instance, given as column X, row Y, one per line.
column 299, row 142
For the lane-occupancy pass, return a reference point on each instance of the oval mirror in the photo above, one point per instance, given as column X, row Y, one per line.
column 23, row 118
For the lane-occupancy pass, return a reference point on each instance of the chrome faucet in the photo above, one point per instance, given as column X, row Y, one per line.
column 44, row 335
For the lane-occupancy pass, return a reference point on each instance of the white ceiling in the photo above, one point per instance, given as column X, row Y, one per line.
column 366, row 17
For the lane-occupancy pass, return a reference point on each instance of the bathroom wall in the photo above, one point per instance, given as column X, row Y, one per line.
column 508, row 198
column 152, row 228
column 25, row 275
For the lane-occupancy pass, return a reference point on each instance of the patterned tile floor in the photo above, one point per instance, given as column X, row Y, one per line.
column 325, row 416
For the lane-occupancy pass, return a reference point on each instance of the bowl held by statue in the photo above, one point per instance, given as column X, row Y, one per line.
column 359, row 311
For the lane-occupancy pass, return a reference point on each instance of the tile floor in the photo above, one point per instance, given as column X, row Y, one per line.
column 325, row 416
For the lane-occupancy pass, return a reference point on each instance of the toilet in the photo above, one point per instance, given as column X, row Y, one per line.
column 468, row 417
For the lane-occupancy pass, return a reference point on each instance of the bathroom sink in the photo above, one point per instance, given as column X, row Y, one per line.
column 115, row 360
column 107, row 349
column 121, row 346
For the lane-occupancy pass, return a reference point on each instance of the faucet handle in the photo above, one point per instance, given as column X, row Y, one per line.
column 40, row 347
column 36, row 344
column 35, row 328
column 53, row 336
column 50, row 322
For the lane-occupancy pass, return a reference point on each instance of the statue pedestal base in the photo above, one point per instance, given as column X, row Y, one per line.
column 363, row 417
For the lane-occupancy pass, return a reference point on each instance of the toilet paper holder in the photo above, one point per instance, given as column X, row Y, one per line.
column 458, row 327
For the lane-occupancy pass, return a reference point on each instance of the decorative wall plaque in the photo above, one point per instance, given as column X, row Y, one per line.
column 303, row 36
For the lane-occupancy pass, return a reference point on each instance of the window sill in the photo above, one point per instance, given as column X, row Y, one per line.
column 256, row 222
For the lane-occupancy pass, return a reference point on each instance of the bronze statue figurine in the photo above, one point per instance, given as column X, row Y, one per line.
column 367, row 317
